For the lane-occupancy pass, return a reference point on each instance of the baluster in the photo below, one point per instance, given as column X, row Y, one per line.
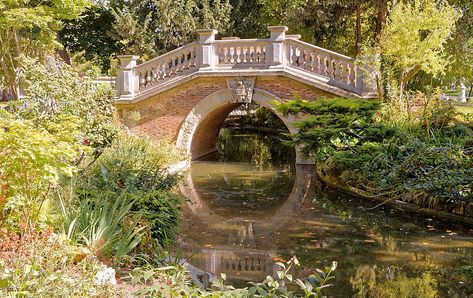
column 229, row 55
column 336, row 70
column 178, row 64
column 168, row 67
column 329, row 70
column 312, row 61
column 185, row 63
column 252, row 54
column 357, row 83
column 317, row 63
column 235, row 55
column 263, row 54
column 294, row 56
column 351, row 75
column 156, row 73
column 192, row 58
column 149, row 78
column 323, row 65
column 247, row 55
column 240, row 55
column 258, row 54
column 306, row 59
column 345, row 78
column 162, row 71
column 221, row 55
column 174, row 65
column 142, row 80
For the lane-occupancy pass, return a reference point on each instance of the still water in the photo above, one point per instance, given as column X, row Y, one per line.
column 246, row 211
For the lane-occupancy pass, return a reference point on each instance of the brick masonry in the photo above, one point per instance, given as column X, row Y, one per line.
column 161, row 116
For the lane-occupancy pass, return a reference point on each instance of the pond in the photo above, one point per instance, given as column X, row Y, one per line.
column 249, row 206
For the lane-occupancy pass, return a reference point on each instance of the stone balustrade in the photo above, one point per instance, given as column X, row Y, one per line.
column 178, row 62
column 248, row 52
column 231, row 56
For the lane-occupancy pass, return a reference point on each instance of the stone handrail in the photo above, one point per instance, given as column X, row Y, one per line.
column 242, row 52
column 278, row 54
column 179, row 61
column 334, row 66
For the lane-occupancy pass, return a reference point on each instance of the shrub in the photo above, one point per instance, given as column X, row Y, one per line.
column 32, row 160
column 136, row 166
column 425, row 160
column 98, row 224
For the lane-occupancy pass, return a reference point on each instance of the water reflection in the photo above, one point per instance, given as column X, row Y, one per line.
column 242, row 217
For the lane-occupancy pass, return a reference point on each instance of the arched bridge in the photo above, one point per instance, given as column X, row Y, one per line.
column 186, row 94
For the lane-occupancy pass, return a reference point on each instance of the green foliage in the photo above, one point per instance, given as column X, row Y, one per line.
column 414, row 38
column 312, row 286
column 176, row 22
column 460, row 47
column 29, row 28
column 91, row 34
column 334, row 124
column 56, row 91
column 32, row 160
column 421, row 157
column 260, row 149
column 173, row 281
column 261, row 117
column 98, row 224
column 136, row 166
column 381, row 282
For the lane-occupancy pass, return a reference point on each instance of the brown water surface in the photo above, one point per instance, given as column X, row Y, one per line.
column 241, row 218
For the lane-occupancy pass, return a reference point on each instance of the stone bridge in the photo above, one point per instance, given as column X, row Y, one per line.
column 186, row 94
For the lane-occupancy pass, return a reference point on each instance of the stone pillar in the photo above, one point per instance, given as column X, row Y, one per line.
column 127, row 83
column 206, row 57
column 276, row 53
column 462, row 94
column 365, row 79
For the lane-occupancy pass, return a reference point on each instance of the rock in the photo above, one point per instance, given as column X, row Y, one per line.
column 105, row 276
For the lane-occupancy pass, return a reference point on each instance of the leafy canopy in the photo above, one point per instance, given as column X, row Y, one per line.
column 29, row 28
column 415, row 35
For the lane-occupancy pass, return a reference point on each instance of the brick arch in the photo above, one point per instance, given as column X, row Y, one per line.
column 198, row 132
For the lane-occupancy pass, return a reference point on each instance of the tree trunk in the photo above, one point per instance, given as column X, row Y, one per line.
column 380, row 20
column 4, row 94
column 63, row 53
column 358, row 27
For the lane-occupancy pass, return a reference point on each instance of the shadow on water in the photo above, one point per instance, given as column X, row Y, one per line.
column 243, row 216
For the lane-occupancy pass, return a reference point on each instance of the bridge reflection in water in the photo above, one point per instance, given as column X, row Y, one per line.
column 241, row 219
column 235, row 234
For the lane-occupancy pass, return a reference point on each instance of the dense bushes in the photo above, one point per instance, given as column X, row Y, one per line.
column 422, row 156
column 72, row 194
column 135, row 168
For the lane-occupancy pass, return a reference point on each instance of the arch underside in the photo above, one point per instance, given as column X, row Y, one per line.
column 199, row 131
column 206, row 134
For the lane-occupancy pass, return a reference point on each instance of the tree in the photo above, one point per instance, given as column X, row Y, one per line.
column 29, row 29
column 460, row 46
column 414, row 38
column 91, row 34
column 153, row 27
column 245, row 19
